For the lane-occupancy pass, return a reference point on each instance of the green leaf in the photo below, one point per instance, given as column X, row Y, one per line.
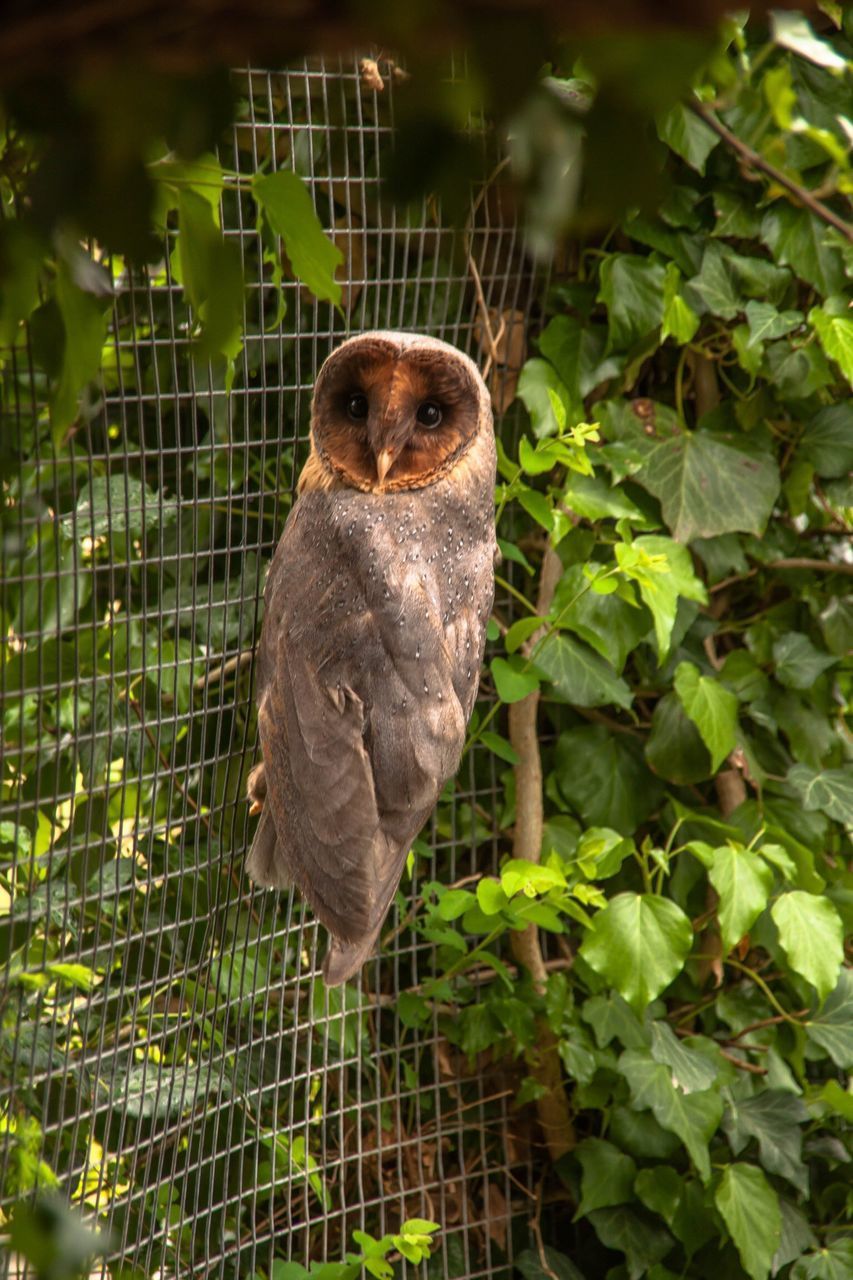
column 609, row 623
column 707, row 487
column 503, row 749
column 743, row 881
column 84, row 322
column 694, row 1117
column 556, row 1265
column 511, row 679
column 688, row 135
column 21, row 260
column 830, row 790
column 537, row 380
column 750, row 1209
column 490, row 896
column 794, row 32
column 692, row 1072
column 680, row 321
column 663, row 583
column 800, row 240
column 711, row 708
column 631, row 287
column 288, row 208
column 713, row 289
column 603, row 777
column 639, row 943
column 674, row 749
column 579, row 675
column 593, row 498
column 827, row 440
column 576, row 350
column 522, row 630
column 660, row 1189
column 832, row 1028
column 773, row 1117
column 812, row 937
column 210, row 272
column 766, row 323
column 797, row 1236
column 607, row 1178
column 832, row 1263
column 836, row 337
column 798, row 661
column 643, row 1243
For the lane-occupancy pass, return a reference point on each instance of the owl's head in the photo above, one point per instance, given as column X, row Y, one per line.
column 396, row 410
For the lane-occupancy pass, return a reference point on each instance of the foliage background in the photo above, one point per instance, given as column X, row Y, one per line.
column 656, row 979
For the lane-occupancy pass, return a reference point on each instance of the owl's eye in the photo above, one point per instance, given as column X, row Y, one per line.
column 429, row 413
column 357, row 407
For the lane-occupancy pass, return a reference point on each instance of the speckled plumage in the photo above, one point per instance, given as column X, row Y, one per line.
column 376, row 606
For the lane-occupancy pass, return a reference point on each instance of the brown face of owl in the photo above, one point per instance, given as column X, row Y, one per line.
column 387, row 417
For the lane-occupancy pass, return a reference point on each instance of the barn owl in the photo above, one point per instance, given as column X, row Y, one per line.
column 375, row 616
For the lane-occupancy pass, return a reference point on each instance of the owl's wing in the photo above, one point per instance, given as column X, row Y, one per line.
column 320, row 789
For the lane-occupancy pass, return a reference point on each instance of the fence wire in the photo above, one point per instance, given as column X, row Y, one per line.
column 166, row 1045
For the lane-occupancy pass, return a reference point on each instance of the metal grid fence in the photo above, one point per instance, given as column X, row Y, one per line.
column 166, row 1045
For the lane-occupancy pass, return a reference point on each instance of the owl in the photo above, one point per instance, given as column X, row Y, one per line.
column 374, row 625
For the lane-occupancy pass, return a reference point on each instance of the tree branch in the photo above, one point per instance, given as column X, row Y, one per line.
column 553, row 1107
column 755, row 161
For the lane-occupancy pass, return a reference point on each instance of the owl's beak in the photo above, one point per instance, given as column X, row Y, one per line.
column 384, row 463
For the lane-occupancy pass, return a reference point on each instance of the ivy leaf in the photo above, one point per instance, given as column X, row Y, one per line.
column 773, row 1117
column 576, row 350
column 680, row 321
column 602, row 775
column 707, row 487
column 556, row 1265
column 287, row 206
column 812, row 937
column 832, row 1028
column 801, row 241
column 836, row 337
column 503, row 749
column 609, row 623
column 639, row 943
column 688, row 135
column 607, row 1178
column 537, row 381
column 712, row 709
column 632, row 290
column 743, row 881
column 750, row 1209
column 830, row 791
column 674, row 748
column 827, row 441
column 766, row 323
column 832, row 1263
column 713, row 289
column 643, row 1243
column 694, row 1117
column 579, row 675
column 84, row 321
column 794, row 32
column 511, row 679
column 691, row 1071
column 661, row 586
column 798, row 661
column 210, row 272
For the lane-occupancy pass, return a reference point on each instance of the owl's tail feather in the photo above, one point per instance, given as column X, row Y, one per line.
column 263, row 864
column 344, row 959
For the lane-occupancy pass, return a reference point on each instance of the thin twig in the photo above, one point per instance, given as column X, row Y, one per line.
column 792, row 562
column 537, row 1235
column 755, row 161
column 225, row 669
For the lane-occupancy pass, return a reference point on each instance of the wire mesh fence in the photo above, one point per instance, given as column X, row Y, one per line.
column 167, row 1048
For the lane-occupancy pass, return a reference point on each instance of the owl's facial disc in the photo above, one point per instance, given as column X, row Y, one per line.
column 387, row 418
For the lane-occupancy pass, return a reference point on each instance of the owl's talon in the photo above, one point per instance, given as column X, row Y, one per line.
column 256, row 806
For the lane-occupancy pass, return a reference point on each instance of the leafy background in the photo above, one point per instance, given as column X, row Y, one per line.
column 619, row 955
